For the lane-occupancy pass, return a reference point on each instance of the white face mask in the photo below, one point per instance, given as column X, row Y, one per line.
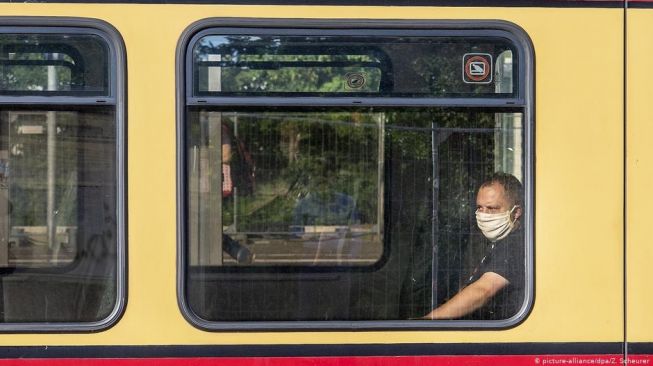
column 495, row 226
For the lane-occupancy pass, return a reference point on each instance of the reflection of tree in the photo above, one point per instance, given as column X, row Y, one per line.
column 428, row 66
column 338, row 151
column 291, row 148
column 271, row 64
column 28, row 62
column 434, row 68
column 328, row 153
column 24, row 64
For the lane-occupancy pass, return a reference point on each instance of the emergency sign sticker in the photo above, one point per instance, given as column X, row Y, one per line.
column 477, row 68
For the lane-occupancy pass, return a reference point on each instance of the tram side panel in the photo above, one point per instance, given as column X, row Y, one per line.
column 576, row 204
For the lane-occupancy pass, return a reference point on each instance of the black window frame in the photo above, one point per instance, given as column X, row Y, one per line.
column 115, row 97
column 464, row 28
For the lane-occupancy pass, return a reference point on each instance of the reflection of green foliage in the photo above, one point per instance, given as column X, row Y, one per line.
column 439, row 69
column 338, row 152
column 330, row 153
column 34, row 79
column 75, row 63
column 268, row 64
column 30, row 76
column 296, row 79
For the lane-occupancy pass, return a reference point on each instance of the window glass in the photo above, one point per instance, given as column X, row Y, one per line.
column 58, row 182
column 48, row 64
column 333, row 65
column 346, row 212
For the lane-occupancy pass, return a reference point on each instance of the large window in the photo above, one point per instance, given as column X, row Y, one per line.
column 61, row 251
column 332, row 174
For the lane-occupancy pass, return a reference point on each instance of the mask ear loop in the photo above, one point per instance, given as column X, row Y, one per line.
column 511, row 211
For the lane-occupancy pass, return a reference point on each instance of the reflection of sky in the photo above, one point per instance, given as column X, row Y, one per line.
column 215, row 42
column 212, row 42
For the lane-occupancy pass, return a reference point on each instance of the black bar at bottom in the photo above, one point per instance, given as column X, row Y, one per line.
column 315, row 350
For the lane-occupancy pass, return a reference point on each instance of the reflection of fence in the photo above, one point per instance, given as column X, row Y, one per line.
column 300, row 156
column 460, row 158
column 451, row 161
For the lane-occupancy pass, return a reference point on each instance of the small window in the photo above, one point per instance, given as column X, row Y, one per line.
column 257, row 65
column 250, row 74
column 334, row 175
column 48, row 64
column 60, row 118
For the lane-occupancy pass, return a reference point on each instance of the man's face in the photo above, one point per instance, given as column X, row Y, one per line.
column 493, row 199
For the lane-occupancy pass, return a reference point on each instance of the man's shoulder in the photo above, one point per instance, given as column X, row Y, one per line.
column 516, row 236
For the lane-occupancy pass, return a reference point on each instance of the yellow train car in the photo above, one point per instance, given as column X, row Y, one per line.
column 324, row 183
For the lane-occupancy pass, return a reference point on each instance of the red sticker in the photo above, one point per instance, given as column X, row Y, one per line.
column 477, row 68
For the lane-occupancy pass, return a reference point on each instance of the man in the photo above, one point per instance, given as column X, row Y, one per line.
column 495, row 290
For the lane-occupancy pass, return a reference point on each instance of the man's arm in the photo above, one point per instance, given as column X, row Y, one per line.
column 470, row 298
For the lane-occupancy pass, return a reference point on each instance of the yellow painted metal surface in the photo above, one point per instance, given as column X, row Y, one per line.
column 639, row 176
column 579, row 174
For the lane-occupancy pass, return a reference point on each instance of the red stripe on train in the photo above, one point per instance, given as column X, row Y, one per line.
column 530, row 360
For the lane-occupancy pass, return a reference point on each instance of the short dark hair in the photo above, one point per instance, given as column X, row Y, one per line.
column 512, row 186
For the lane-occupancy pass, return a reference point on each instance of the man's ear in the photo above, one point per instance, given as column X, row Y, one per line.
column 517, row 213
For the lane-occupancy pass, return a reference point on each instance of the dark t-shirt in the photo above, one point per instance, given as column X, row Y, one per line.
column 505, row 258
